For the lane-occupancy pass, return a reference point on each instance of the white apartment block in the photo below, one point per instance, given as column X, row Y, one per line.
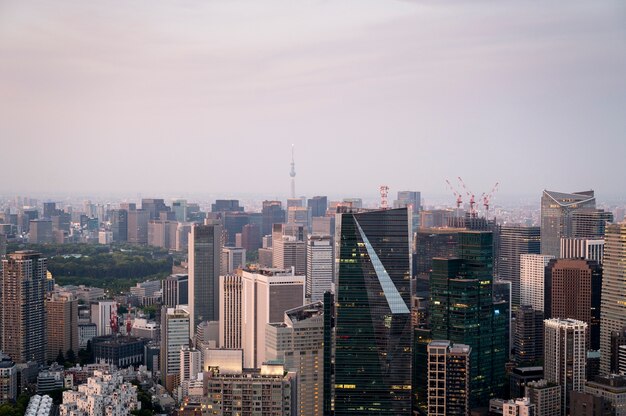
column 532, row 277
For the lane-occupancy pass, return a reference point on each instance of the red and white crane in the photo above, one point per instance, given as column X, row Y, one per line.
column 472, row 199
column 459, row 197
column 487, row 198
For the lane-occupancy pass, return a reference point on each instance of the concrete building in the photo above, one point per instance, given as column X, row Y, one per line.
column 565, row 355
column 175, row 324
column 532, row 280
column 289, row 247
column 22, row 310
column 101, row 315
column 546, row 397
column 448, row 379
column 298, row 342
column 40, row 232
column 518, row 407
column 61, row 325
column 585, row 248
column 104, row 394
column 613, row 307
column 120, row 351
column 231, row 299
column 612, row 389
column 205, row 248
column 585, row 404
column 299, row 216
column 190, row 367
column 267, row 294
column 175, row 290
column 233, row 258
column 319, row 266
column 8, row 379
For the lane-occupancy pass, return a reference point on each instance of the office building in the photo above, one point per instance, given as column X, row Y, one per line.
column 565, row 355
column 233, row 258
column 373, row 296
column 273, row 213
column 267, row 294
column 448, row 379
column 431, row 243
column 61, row 325
column 613, row 307
column 323, row 225
column 101, row 313
column 289, row 247
column 175, row 324
column 520, row 377
column 611, row 388
column 179, row 207
column 40, row 232
column 8, row 379
column 175, row 290
column 585, row 248
column 251, row 237
column 22, row 310
column 231, row 299
column 516, row 240
column 205, row 248
column 226, row 205
column 318, row 206
column 532, row 280
column 119, row 351
column 154, row 207
column 319, row 266
column 573, row 288
column 585, row 404
column 138, row 226
column 300, row 216
column 298, row 342
column 162, row 233
column 546, row 396
column 569, row 215
column 233, row 224
column 528, row 336
column 463, row 311
column 190, row 363
column 413, row 201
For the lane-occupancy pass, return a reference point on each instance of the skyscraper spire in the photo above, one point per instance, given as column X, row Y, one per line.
column 292, row 173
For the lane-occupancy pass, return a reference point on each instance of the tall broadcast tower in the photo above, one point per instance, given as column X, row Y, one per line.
column 292, row 173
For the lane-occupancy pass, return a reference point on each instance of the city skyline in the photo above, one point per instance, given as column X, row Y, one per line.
column 199, row 84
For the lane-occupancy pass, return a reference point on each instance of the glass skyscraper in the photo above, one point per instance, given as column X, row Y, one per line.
column 373, row 321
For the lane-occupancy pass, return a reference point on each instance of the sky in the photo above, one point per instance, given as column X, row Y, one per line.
column 208, row 96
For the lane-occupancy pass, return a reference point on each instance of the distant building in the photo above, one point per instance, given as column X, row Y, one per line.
column 514, row 241
column 289, row 247
column 40, row 232
column 233, row 258
column 585, row 248
column 273, row 213
column 319, row 266
column 318, row 206
column 251, row 237
column 431, row 243
column 61, row 325
column 138, row 226
column 154, row 207
column 174, row 336
column 175, row 290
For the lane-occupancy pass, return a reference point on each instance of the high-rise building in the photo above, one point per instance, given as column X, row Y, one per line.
column 154, row 207
column 299, row 343
column 528, row 335
column 532, row 280
column 205, row 248
column 586, row 248
column 22, row 310
column 514, row 241
column 61, row 325
column 267, row 294
column 40, row 232
column 569, row 215
column 101, row 313
column 175, row 324
column 319, row 266
column 231, row 299
column 546, row 396
column 138, row 226
column 190, row 363
column 448, row 379
column 412, row 200
column 573, row 288
column 611, row 388
column 233, row 225
column 289, row 247
column 318, row 206
column 226, row 205
column 463, row 311
column 49, row 209
column 233, row 258
column 251, row 237
column 613, row 309
column 300, row 216
column 179, row 206
column 372, row 305
column 175, row 290
column 431, row 243
column 565, row 355
column 273, row 213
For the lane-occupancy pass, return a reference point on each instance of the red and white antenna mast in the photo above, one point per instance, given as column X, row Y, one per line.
column 384, row 192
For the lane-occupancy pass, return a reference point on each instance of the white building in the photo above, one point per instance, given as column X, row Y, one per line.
column 101, row 315
column 233, row 258
column 190, row 367
column 104, row 394
column 267, row 294
column 518, row 407
column 532, row 276
column 319, row 267
column 39, row 406
column 231, row 298
column 565, row 355
column 174, row 336
column 586, row 248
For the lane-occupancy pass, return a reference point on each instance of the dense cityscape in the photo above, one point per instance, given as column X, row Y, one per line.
column 313, row 306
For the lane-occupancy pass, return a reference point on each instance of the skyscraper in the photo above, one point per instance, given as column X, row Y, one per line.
column 532, row 280
column 569, row 215
column 119, row 225
column 175, row 324
column 528, row 336
column 318, row 206
column 273, row 213
column 22, row 310
column 62, row 325
column 319, row 266
column 463, row 311
column 231, row 298
column 204, row 254
column 373, row 345
column 289, row 247
column 613, row 309
column 565, row 355
column 138, row 226
column 514, row 241
column 573, row 288
column 448, row 379
column 412, row 200
column 175, row 290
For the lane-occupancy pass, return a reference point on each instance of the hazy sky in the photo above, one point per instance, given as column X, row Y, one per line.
column 208, row 96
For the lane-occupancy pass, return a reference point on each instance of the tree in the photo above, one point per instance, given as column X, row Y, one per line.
column 60, row 358
column 71, row 356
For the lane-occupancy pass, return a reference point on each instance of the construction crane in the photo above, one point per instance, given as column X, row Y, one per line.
column 487, row 198
column 384, row 192
column 459, row 197
column 472, row 199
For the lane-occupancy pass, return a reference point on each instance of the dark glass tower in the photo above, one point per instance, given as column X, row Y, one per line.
column 463, row 311
column 514, row 241
column 373, row 321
